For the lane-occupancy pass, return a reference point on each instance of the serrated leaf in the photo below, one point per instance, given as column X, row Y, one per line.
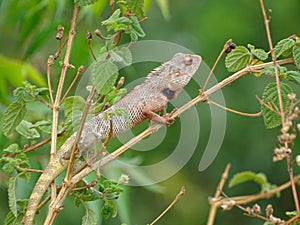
column 270, row 71
column 12, row 149
column 293, row 76
column 122, row 55
column 242, row 177
column 90, row 217
column 13, row 116
column 109, row 209
column 27, row 130
column 73, row 103
column 136, row 27
column 270, row 97
column 136, row 7
column 282, row 46
column 296, row 55
column 9, row 167
column 46, row 126
column 105, row 74
column 260, row 54
column 10, row 219
column 111, row 23
column 12, row 198
column 237, row 59
column 84, row 2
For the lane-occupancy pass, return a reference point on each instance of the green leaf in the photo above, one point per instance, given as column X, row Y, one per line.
column 109, row 209
column 237, row 59
column 270, row 97
column 29, row 92
column 9, row 167
column 136, row 27
column 105, row 74
column 136, row 7
column 12, row 149
column 293, row 76
column 242, row 177
column 27, row 130
column 10, row 219
column 46, row 126
column 296, row 55
column 84, row 2
column 13, row 116
column 260, row 54
column 12, row 198
column 90, row 217
column 283, row 45
column 73, row 103
column 122, row 55
column 111, row 22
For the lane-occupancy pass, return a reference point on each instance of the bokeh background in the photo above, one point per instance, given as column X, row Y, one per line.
column 27, row 38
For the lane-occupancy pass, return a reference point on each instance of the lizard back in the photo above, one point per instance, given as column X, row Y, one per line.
column 161, row 85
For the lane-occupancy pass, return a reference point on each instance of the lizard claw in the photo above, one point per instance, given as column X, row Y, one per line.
column 169, row 121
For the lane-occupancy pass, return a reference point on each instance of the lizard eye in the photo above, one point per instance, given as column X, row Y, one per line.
column 188, row 60
column 177, row 73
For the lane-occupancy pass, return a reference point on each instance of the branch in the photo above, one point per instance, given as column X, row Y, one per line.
column 177, row 198
column 242, row 200
column 56, row 105
column 152, row 129
column 282, row 114
column 213, row 208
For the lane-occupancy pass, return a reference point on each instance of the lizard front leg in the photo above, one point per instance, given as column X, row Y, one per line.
column 154, row 106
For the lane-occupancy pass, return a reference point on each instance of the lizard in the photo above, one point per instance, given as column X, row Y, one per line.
column 161, row 85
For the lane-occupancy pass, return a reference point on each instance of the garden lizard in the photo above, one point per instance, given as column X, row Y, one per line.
column 161, row 85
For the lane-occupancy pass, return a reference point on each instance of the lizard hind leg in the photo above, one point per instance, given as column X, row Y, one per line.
column 154, row 106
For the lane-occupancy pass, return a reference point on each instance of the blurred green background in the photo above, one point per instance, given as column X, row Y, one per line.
column 27, row 38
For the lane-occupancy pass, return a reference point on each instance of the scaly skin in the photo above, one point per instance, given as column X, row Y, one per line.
column 161, row 85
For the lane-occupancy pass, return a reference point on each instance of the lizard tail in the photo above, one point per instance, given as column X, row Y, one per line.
column 55, row 167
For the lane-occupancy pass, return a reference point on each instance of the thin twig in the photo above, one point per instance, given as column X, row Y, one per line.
column 267, row 22
column 258, row 114
column 28, row 170
column 79, row 133
column 248, row 213
column 267, row 106
column 79, row 72
column 213, row 208
column 56, row 104
column 242, row 200
column 50, row 62
column 177, row 198
column 226, row 46
column 282, row 115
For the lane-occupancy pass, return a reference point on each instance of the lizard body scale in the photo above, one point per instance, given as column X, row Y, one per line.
column 162, row 84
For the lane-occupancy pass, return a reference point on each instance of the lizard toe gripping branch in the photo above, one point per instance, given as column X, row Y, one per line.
column 162, row 84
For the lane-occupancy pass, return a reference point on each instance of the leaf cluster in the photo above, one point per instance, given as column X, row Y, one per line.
column 242, row 56
column 107, row 191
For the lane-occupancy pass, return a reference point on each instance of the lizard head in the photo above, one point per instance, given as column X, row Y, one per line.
column 181, row 68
